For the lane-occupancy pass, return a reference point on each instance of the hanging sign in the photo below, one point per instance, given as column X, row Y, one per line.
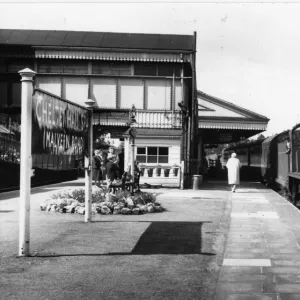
column 225, row 137
column 58, row 126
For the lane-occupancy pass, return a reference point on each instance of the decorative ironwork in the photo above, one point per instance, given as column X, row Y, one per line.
column 143, row 119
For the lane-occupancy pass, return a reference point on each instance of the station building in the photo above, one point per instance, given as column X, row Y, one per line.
column 154, row 72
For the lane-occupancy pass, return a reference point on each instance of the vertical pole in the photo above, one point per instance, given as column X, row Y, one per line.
column 26, row 161
column 88, row 174
column 132, row 160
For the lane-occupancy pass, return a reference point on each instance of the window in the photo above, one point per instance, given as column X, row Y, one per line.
column 152, row 69
column 165, row 70
column 59, row 66
column 3, row 93
column 152, row 155
column 75, row 67
column 51, row 66
column 145, row 69
column 2, row 66
column 104, row 68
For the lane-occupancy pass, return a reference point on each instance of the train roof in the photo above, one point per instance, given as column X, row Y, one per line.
column 241, row 145
column 272, row 138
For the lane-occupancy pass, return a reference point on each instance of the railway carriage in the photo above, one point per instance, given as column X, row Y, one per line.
column 294, row 162
column 249, row 155
column 274, row 159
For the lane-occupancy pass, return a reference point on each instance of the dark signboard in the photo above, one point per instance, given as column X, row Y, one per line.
column 225, row 137
column 58, row 126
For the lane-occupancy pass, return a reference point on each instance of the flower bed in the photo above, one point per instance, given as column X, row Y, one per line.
column 103, row 202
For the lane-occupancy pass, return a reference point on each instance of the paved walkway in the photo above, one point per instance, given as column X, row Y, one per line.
column 262, row 256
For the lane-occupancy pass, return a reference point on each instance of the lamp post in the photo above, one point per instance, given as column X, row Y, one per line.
column 132, row 133
column 25, row 162
column 88, row 167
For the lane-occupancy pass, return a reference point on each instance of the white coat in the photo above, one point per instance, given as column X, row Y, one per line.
column 233, row 166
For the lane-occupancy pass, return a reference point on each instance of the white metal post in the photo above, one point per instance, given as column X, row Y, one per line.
column 132, row 159
column 26, row 161
column 88, row 174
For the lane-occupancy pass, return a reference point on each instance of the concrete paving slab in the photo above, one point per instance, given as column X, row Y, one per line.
column 288, row 278
column 289, row 296
column 245, row 255
column 252, row 297
column 285, row 256
column 285, row 263
column 237, row 277
column 242, row 287
column 247, row 262
column 281, row 270
column 262, row 252
column 288, row 288
column 259, row 214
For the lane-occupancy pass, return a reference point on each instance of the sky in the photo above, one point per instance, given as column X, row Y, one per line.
column 247, row 53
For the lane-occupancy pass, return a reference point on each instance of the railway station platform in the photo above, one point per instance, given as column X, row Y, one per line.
column 209, row 244
column 262, row 253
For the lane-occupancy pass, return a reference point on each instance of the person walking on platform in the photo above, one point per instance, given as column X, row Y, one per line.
column 233, row 166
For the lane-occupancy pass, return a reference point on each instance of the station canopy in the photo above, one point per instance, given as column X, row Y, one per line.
column 222, row 122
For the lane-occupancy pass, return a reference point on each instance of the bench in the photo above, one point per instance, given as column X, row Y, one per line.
column 125, row 184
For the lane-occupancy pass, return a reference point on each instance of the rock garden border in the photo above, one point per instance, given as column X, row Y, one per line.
column 103, row 202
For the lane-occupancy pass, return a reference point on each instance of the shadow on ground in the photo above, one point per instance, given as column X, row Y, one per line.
column 170, row 238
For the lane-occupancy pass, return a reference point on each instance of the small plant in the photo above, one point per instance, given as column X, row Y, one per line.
column 99, row 195
column 62, row 195
column 147, row 197
column 79, row 195
column 121, row 195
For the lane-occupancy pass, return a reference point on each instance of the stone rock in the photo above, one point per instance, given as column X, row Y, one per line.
column 108, row 197
column 129, row 203
column 135, row 211
column 158, row 208
column 126, row 211
column 53, row 207
column 144, row 209
column 108, row 204
column 68, row 201
column 105, row 210
column 70, row 209
column 63, row 210
column 76, row 208
column 121, row 204
column 117, row 210
column 75, row 202
column 150, row 208
column 122, row 200
column 48, row 208
column 81, row 210
column 98, row 208
column 43, row 207
column 156, row 204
